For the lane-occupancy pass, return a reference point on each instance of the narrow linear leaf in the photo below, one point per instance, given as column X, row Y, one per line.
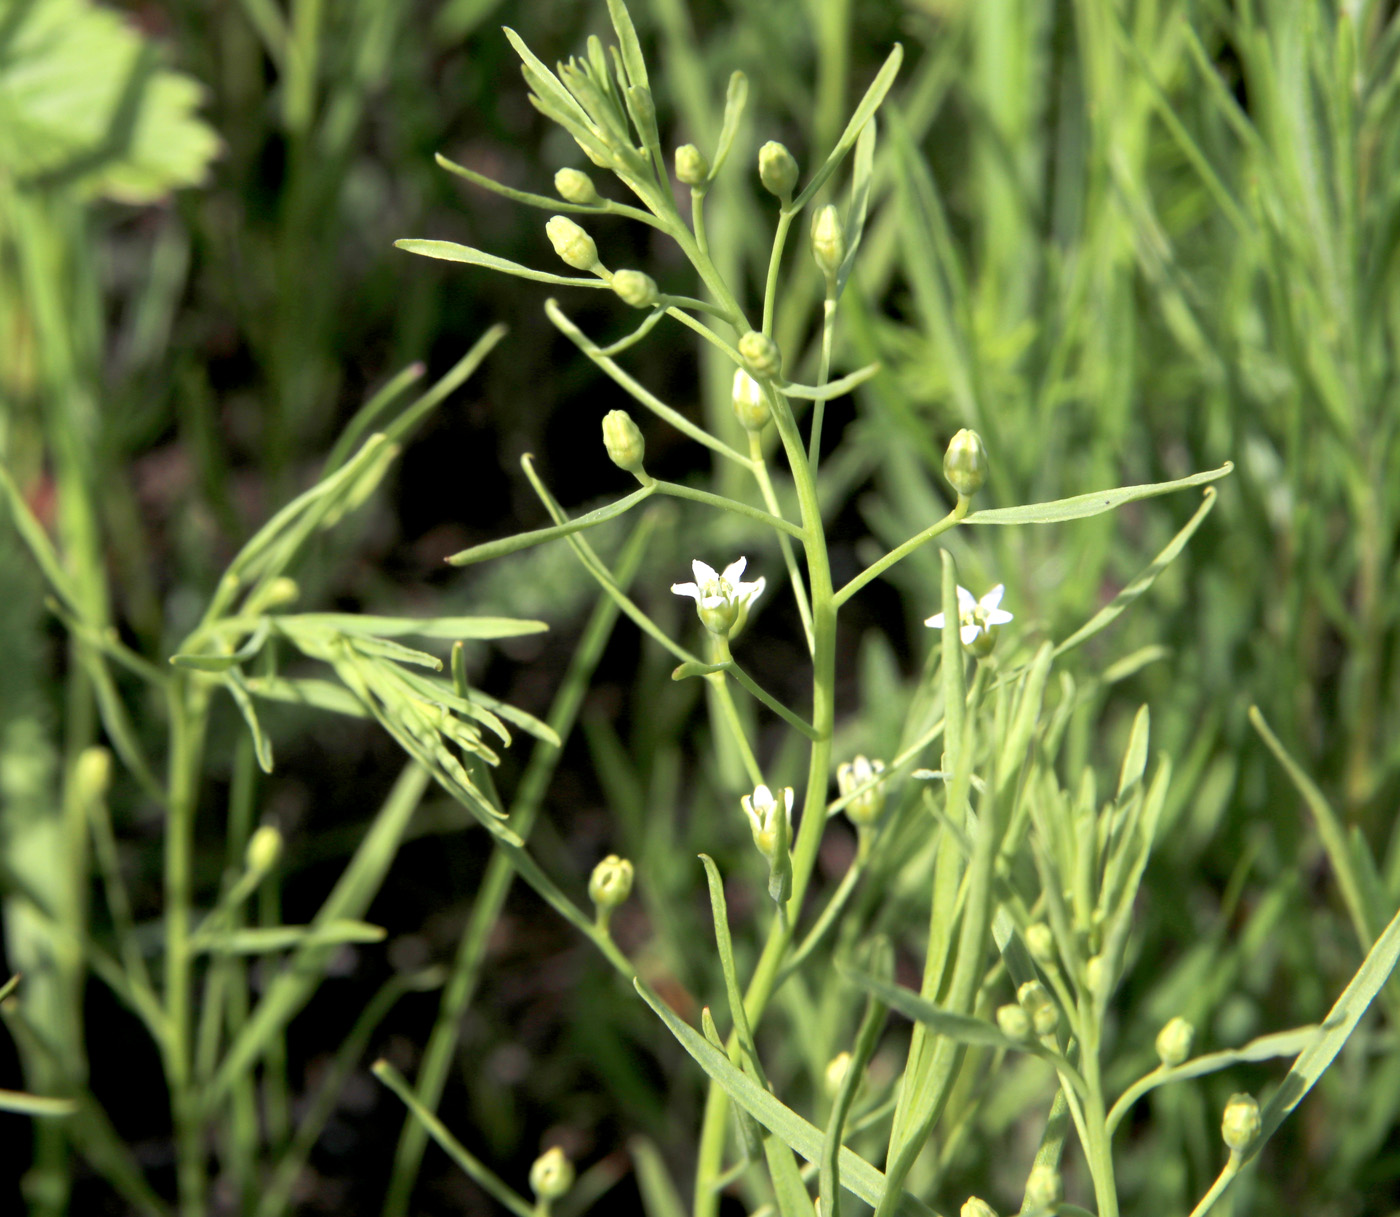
column 238, row 690
column 686, row 670
column 262, row 940
column 425, row 627
column 735, row 98
column 450, row 251
column 23, row 1104
column 834, row 388
column 524, row 540
column 319, row 694
column 1084, row 505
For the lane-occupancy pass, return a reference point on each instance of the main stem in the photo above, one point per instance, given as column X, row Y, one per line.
column 809, row 832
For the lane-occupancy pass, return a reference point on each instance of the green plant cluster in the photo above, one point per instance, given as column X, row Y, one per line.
column 1063, row 901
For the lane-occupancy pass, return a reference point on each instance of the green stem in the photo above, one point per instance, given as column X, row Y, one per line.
column 725, row 504
column 775, row 261
column 1217, row 1189
column 770, row 498
column 814, row 441
column 900, row 552
column 757, row 691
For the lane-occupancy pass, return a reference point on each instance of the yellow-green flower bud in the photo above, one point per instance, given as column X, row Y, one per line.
column 761, row 354
column 965, row 463
column 1096, row 974
column 1174, row 1042
column 864, row 808
column 750, row 408
column 636, row 288
column 1241, row 1123
column 552, row 1175
column 974, row 1206
column 1014, row 1022
column 1041, row 943
column 828, row 241
column 624, row 441
column 611, row 882
column 92, row 775
column 264, row 848
column 571, row 243
column 691, row 166
column 575, row 186
column 1043, row 1187
column 1036, row 1002
column 836, row 1071
column 777, row 170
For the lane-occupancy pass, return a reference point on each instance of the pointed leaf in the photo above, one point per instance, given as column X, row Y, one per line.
column 1084, row 505
column 450, row 251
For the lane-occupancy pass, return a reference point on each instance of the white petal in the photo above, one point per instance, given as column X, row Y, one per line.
column 735, row 570
column 787, row 794
column 686, row 589
column 703, row 574
column 998, row 617
column 936, row 621
column 993, row 597
column 969, row 633
column 762, row 796
column 747, row 593
column 966, row 600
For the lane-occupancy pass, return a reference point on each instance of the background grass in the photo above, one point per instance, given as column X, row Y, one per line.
column 1124, row 241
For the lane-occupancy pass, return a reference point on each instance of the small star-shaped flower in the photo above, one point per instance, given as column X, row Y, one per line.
column 976, row 618
column 721, row 599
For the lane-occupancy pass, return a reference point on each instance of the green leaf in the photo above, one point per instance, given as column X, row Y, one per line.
column 719, row 911
column 205, row 662
column 238, row 690
column 834, row 388
column 862, row 174
column 735, row 97
column 864, row 112
column 1084, row 505
column 1140, row 582
column 35, row 1105
column 686, row 670
column 857, row 1175
column 85, row 101
column 422, row 627
column 524, row 540
column 450, row 251
column 262, row 940
column 628, row 44
column 320, row 694
column 659, row 1195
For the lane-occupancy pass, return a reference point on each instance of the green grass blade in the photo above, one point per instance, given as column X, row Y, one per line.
column 1084, row 505
column 524, row 540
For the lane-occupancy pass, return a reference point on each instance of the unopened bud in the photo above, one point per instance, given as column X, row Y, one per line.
column 836, row 1071
column 1096, row 974
column 1241, row 1123
column 828, row 241
column 864, row 808
column 1014, row 1022
column 264, row 848
column 552, row 1175
column 761, row 354
column 974, row 1206
column 965, row 463
column 1036, row 1002
column 1174, row 1042
column 611, row 882
column 691, row 166
column 777, row 170
column 624, row 441
column 1040, row 942
column 92, row 775
column 1043, row 1187
column 571, row 243
column 575, row 186
column 635, row 288
column 750, row 408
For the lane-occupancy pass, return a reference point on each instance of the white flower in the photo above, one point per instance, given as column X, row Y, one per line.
column 721, row 600
column 977, row 618
column 763, row 810
column 860, row 775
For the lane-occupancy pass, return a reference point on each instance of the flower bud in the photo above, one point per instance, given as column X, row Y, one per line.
column 1036, row 1002
column 973, row 1206
column 552, row 1175
column 836, row 1071
column 1095, row 974
column 691, row 166
column 1174, row 1042
column 624, row 441
column 777, row 170
column 965, row 463
column 1241, row 1123
column 864, row 808
column 635, row 288
column 1014, row 1022
column 264, row 848
column 750, row 408
column 828, row 241
column 1041, row 943
column 611, row 882
column 92, row 775
column 770, row 821
column 571, row 243
column 1043, row 1187
column 575, row 186
column 761, row 354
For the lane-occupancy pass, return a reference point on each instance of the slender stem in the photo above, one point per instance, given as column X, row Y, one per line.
column 697, row 220
column 814, row 441
column 775, row 261
column 717, row 500
column 799, row 587
column 1097, row 1144
column 900, row 552
column 188, row 716
column 1217, row 1189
